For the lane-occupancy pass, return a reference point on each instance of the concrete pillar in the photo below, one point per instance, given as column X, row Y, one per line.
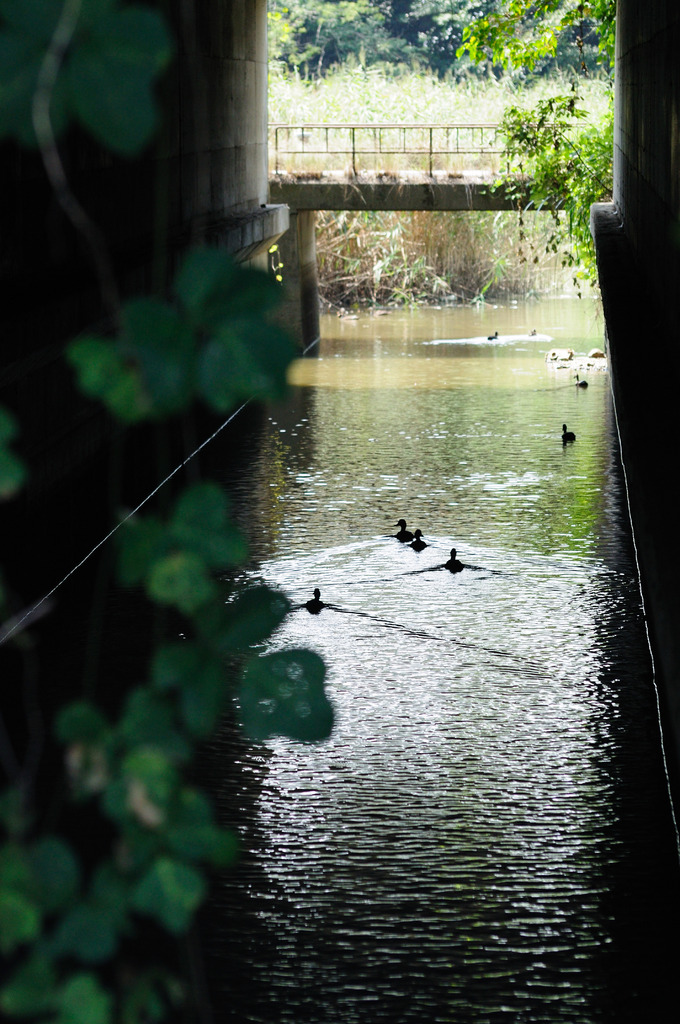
column 297, row 251
column 309, row 286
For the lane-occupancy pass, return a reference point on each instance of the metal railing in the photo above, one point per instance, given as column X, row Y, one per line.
column 367, row 143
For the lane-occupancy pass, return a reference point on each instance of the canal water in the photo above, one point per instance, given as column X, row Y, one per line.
column 486, row 835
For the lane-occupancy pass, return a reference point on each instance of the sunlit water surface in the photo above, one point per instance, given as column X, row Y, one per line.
column 486, row 835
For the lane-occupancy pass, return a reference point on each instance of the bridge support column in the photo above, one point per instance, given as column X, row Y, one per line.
column 297, row 249
column 309, row 285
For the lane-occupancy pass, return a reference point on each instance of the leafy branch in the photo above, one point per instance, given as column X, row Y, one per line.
column 565, row 161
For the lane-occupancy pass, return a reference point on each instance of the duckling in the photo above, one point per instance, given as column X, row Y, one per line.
column 404, row 535
column 581, row 383
column 567, row 435
column 492, row 337
column 418, row 543
column 315, row 604
column 453, row 565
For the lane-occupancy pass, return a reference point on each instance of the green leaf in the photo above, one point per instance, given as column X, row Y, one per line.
column 155, row 771
column 93, row 11
column 86, row 933
column 81, row 722
column 19, row 66
column 170, row 892
column 56, row 872
column 33, row 19
column 200, row 523
column 141, row 543
column 32, row 990
column 110, row 75
column 163, row 347
column 214, row 380
column 146, row 998
column 148, row 721
column 12, row 471
column 205, row 286
column 202, row 703
column 137, row 36
column 20, row 920
column 176, row 665
column 180, row 579
column 110, row 892
column 12, row 474
column 8, row 426
column 282, row 694
column 83, row 1001
column 201, row 680
column 246, row 358
column 193, row 835
column 12, row 812
column 15, row 871
column 248, row 620
column 214, row 290
column 103, row 373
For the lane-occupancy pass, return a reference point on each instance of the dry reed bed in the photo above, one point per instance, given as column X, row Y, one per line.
column 387, row 258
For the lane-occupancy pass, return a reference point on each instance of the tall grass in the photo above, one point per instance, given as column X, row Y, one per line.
column 418, row 257
column 386, row 258
column 371, row 96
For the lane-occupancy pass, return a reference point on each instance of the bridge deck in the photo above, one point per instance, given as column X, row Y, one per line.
column 472, row 191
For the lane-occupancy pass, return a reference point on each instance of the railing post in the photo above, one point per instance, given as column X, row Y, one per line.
column 481, row 139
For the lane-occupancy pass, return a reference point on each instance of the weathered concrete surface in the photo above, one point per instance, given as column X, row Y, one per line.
column 304, row 197
column 645, row 398
column 639, row 266
column 300, row 312
column 434, row 195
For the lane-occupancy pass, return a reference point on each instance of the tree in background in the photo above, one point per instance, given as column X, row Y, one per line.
column 315, row 35
column 524, row 34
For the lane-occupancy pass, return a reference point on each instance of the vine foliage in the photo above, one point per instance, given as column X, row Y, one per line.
column 564, row 159
column 65, row 922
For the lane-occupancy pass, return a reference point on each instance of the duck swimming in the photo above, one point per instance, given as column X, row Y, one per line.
column 567, row 435
column 418, row 543
column 453, row 565
column 315, row 604
column 404, row 535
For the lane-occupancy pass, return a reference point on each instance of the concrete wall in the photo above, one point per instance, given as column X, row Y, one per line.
column 221, row 178
column 202, row 179
column 638, row 247
column 647, row 142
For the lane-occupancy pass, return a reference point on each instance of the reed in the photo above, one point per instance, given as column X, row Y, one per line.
column 387, row 258
column 371, row 96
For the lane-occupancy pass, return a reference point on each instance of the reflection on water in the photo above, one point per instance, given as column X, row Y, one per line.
column 486, row 835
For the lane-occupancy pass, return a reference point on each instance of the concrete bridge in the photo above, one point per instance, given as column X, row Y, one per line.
column 433, row 167
column 393, row 166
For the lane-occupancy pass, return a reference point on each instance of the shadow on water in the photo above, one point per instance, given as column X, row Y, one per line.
column 486, row 835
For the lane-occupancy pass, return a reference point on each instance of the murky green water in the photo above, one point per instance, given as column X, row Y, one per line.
column 486, row 835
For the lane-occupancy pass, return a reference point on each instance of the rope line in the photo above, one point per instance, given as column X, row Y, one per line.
column 15, row 623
